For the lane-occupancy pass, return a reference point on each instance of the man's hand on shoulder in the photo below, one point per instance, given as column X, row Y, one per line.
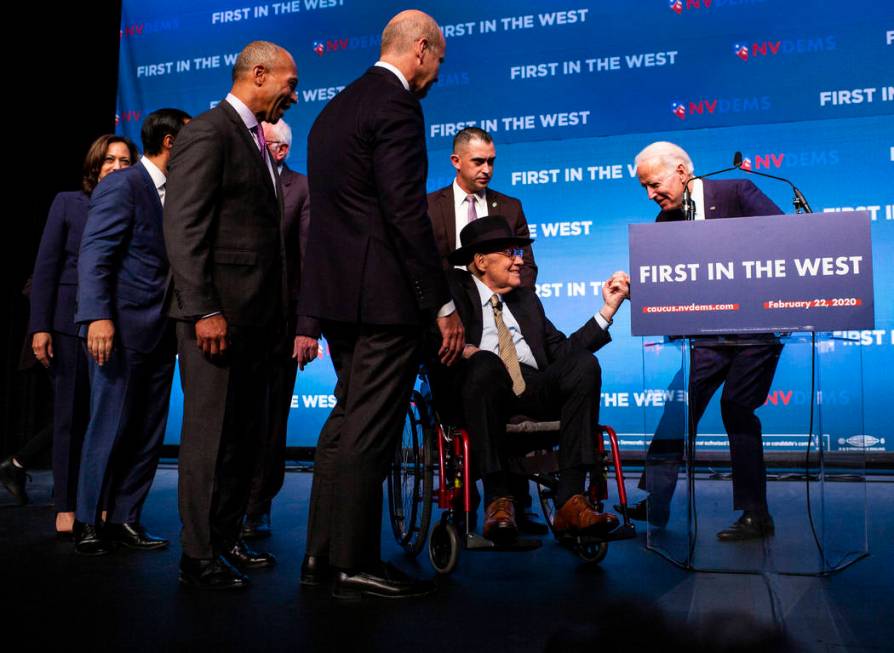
column 453, row 338
column 100, row 336
column 211, row 335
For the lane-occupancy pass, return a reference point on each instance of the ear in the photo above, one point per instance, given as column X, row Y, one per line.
column 455, row 160
column 258, row 74
column 167, row 142
column 422, row 49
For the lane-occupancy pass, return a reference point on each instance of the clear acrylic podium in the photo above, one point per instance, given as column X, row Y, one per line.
column 812, row 423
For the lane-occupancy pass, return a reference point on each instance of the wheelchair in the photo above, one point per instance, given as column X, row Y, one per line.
column 430, row 449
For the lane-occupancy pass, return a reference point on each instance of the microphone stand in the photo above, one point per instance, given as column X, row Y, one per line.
column 687, row 205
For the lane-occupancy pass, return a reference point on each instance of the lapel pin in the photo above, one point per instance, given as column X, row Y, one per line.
column 494, row 205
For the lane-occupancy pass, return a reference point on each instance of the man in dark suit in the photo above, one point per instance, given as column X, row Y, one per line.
column 270, row 466
column 745, row 366
column 517, row 362
column 122, row 280
column 222, row 229
column 372, row 276
column 451, row 208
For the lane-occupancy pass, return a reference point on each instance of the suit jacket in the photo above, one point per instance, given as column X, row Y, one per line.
column 442, row 209
column 54, row 284
column 728, row 198
column 123, row 267
column 547, row 343
column 371, row 254
column 295, row 224
column 222, row 224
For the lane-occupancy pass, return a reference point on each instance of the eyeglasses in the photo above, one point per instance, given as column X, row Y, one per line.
column 511, row 252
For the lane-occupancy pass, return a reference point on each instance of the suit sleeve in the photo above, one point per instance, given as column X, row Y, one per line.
column 108, row 228
column 590, row 337
column 754, row 202
column 192, row 190
column 399, row 162
column 48, row 267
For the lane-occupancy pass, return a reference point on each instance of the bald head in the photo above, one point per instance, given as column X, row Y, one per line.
column 667, row 155
column 256, row 53
column 264, row 79
column 413, row 43
column 406, row 28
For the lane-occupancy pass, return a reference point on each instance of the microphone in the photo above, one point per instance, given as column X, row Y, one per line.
column 687, row 205
column 799, row 201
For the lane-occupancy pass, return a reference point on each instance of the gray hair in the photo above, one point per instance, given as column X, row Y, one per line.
column 256, row 53
column 669, row 154
column 282, row 131
column 406, row 28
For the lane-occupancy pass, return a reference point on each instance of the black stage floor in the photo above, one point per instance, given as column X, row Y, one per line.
column 633, row 601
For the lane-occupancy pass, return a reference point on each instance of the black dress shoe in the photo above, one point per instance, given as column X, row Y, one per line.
column 256, row 527
column 656, row 513
column 243, row 557
column 13, row 479
column 90, row 541
column 133, row 536
column 387, row 581
column 214, row 574
column 529, row 523
column 750, row 526
column 315, row 570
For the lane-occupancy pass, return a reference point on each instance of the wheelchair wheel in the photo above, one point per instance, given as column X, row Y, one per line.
column 592, row 553
column 410, row 479
column 443, row 547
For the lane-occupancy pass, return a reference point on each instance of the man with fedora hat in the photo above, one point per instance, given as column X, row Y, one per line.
column 515, row 361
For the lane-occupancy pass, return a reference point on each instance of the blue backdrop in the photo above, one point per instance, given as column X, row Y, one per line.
column 571, row 91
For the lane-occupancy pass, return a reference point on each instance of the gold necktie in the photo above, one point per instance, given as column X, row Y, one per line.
column 508, row 353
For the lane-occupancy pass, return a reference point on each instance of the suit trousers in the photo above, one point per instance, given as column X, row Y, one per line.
column 270, row 466
column 376, row 367
column 71, row 412
column 129, row 398
column 567, row 389
column 224, row 419
column 746, row 372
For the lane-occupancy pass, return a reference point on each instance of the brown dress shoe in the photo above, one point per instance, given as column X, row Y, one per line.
column 499, row 521
column 577, row 516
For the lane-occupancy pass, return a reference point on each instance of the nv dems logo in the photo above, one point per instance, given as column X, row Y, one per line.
column 319, row 48
column 676, row 6
column 811, row 45
column 711, row 106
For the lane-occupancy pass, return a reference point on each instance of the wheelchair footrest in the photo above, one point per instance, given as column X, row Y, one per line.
column 475, row 542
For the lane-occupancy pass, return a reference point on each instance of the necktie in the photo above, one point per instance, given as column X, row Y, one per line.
column 508, row 353
column 473, row 214
column 262, row 143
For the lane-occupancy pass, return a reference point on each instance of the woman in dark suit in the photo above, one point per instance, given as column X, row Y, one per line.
column 54, row 334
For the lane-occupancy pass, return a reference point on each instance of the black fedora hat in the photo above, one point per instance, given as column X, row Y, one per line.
column 488, row 234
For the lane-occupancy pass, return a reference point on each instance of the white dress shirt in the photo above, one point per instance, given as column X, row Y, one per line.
column 489, row 338
column 158, row 177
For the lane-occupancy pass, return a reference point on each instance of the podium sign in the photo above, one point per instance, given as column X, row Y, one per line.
column 760, row 274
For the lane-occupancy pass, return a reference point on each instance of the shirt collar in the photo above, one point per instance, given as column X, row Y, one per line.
column 396, row 71
column 484, row 292
column 158, row 177
column 250, row 119
column 459, row 195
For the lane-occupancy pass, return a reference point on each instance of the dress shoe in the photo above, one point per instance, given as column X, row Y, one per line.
column 578, row 517
column 90, row 541
column 649, row 510
column 315, row 570
column 243, row 557
column 133, row 536
column 256, row 527
column 387, row 581
column 750, row 526
column 214, row 574
column 530, row 524
column 499, row 521
column 13, row 479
